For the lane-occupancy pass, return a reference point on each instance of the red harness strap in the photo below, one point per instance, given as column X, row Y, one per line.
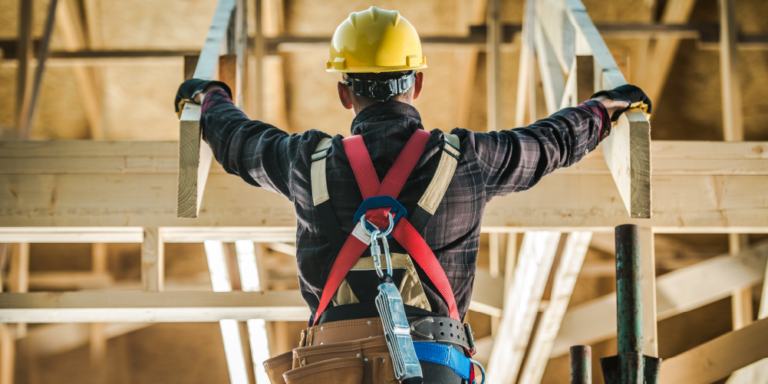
column 404, row 233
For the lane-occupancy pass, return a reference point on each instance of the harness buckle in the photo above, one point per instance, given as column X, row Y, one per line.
column 319, row 155
column 470, row 338
column 396, row 212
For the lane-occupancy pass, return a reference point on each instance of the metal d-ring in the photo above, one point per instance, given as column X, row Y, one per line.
column 378, row 235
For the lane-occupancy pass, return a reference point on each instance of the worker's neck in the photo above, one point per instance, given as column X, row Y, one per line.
column 357, row 107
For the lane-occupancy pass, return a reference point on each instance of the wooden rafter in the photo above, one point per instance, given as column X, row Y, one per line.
column 568, row 27
column 195, row 155
column 679, row 291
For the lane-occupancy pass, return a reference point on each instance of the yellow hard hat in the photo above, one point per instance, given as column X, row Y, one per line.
column 375, row 40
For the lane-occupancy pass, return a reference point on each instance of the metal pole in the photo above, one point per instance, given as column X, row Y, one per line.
column 629, row 304
column 581, row 364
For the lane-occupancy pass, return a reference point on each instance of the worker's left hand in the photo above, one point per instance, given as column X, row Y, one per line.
column 190, row 88
column 631, row 94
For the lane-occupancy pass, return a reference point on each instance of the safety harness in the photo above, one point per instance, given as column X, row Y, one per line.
column 380, row 210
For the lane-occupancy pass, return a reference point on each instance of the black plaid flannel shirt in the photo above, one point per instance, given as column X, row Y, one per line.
column 492, row 164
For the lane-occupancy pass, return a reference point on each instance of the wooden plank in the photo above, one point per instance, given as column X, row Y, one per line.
column 72, row 31
column 733, row 118
column 716, row 359
column 687, row 204
column 563, row 282
column 18, row 276
column 526, row 87
column 648, row 286
column 152, row 260
column 627, row 149
column 69, row 280
column 195, row 156
column 757, row 372
column 552, row 78
column 509, row 263
column 522, row 305
column 151, row 307
column 7, row 355
column 677, row 292
column 493, row 58
column 741, row 300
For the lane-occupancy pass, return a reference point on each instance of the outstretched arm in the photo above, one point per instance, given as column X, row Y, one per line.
column 260, row 153
column 515, row 160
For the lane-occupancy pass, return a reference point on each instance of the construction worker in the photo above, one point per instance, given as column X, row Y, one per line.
column 392, row 212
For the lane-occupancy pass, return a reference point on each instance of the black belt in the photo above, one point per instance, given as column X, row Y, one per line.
column 425, row 325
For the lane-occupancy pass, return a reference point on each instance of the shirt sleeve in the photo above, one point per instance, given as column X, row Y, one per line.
column 516, row 159
column 260, row 153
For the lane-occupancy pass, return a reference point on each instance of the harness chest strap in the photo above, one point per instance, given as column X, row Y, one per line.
column 404, row 232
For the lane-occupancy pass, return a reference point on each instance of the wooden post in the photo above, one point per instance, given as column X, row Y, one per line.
column 493, row 55
column 648, row 287
column 733, row 121
column 18, row 278
column 152, row 260
column 24, row 53
column 493, row 253
column 526, row 91
column 195, row 155
column 521, row 305
column 509, row 263
column 741, row 300
column 27, row 112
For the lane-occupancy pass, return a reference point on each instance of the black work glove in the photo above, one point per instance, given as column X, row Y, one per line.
column 190, row 88
column 629, row 93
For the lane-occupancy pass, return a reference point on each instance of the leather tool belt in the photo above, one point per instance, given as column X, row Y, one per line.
column 355, row 351
column 432, row 328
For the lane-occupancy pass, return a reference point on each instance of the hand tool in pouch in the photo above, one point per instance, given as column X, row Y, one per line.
column 397, row 331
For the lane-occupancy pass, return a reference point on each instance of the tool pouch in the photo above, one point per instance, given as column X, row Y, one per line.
column 277, row 366
column 339, row 371
column 397, row 332
column 377, row 364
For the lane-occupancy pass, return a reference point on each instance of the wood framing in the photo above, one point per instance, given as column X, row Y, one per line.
column 194, row 154
column 677, row 292
column 757, row 372
column 716, row 359
column 718, row 187
column 521, row 305
column 152, row 260
column 24, row 49
column 493, row 59
column 627, row 150
column 648, row 286
column 563, row 281
column 150, row 307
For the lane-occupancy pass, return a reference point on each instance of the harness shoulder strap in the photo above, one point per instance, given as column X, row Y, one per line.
column 434, row 193
column 321, row 198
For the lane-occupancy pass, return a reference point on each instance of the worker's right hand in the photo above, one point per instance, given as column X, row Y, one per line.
column 632, row 95
column 191, row 88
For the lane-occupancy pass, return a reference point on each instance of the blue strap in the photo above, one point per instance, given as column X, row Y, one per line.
column 437, row 353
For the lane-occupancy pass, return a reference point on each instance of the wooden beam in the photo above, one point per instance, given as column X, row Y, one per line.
column 24, row 49
column 757, row 372
column 648, row 286
column 563, row 282
column 521, row 305
column 18, row 276
column 678, row 291
column 710, row 195
column 195, row 155
column 627, row 149
column 511, row 260
column 69, row 280
column 152, row 260
column 493, row 59
column 665, row 48
column 741, row 300
column 72, row 31
column 718, row 358
column 28, row 108
column 552, row 78
column 7, row 355
column 150, row 307
column 733, row 120
column 526, row 87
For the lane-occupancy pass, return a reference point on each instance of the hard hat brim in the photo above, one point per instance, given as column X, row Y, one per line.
column 376, row 69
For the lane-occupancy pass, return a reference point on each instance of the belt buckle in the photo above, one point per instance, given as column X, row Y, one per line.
column 470, row 338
